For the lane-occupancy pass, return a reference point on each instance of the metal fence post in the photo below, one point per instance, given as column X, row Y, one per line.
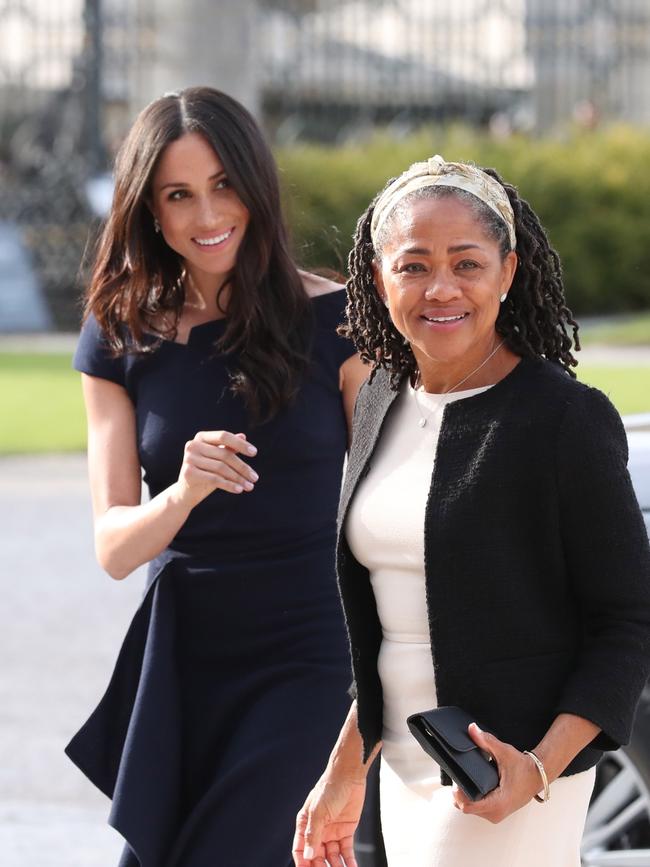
column 94, row 141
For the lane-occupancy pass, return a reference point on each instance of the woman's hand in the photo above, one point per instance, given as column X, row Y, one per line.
column 211, row 462
column 326, row 824
column 519, row 780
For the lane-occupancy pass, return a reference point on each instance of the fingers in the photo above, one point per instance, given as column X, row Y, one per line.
column 333, row 854
column 193, row 476
column 347, row 850
column 213, row 452
column 460, row 798
column 236, row 442
column 222, row 450
column 511, row 793
column 298, row 846
column 485, row 740
column 223, row 463
column 313, row 850
column 307, row 850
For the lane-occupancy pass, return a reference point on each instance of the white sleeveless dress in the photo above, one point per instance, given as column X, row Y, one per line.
column 385, row 531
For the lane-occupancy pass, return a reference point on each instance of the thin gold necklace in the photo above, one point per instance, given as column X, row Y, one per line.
column 423, row 419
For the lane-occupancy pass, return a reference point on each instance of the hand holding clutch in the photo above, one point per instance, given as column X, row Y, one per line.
column 442, row 733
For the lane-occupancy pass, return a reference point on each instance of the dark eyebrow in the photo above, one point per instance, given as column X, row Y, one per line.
column 416, row 251
column 462, row 247
column 183, row 184
column 424, row 251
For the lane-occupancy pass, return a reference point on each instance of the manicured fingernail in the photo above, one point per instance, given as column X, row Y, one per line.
column 251, row 450
column 249, row 486
column 254, row 476
column 238, row 489
column 477, row 727
column 308, row 853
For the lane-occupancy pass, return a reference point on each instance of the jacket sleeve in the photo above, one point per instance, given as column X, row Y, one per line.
column 608, row 563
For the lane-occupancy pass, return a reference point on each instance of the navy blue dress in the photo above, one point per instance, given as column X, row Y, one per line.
column 231, row 685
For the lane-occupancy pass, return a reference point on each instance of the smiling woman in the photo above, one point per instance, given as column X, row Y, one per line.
column 193, row 232
column 213, row 367
column 201, row 217
column 443, row 291
column 491, row 556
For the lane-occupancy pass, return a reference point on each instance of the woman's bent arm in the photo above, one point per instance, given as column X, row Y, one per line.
column 128, row 533
column 353, row 373
column 519, row 777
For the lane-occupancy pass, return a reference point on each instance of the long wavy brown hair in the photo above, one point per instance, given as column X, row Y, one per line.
column 137, row 278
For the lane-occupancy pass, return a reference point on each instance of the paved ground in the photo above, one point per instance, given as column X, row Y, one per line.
column 61, row 622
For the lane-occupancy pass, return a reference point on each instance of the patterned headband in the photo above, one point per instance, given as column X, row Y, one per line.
column 435, row 172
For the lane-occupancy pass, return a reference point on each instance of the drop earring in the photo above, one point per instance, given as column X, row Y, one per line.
column 503, row 297
column 156, row 225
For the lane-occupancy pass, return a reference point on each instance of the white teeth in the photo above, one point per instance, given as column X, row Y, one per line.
column 208, row 242
column 444, row 318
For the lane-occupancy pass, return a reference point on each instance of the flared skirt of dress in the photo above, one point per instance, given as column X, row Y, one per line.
column 226, row 699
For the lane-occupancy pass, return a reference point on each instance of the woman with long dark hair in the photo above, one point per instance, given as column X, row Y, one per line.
column 213, row 366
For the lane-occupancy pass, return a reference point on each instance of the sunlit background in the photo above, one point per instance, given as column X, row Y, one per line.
column 554, row 94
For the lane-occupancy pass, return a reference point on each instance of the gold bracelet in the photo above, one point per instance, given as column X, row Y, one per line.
column 542, row 773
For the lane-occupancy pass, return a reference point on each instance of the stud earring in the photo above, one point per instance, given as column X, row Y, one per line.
column 503, row 297
column 156, row 225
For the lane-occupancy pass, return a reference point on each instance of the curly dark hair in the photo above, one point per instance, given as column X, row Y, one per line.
column 534, row 320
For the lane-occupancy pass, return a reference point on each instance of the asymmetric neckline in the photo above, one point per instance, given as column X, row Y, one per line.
column 216, row 324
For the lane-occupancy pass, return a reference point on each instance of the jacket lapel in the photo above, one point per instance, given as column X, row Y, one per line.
column 373, row 403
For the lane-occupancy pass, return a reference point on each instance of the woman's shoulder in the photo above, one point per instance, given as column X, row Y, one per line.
column 94, row 354
column 581, row 411
column 317, row 286
column 570, row 391
column 329, row 300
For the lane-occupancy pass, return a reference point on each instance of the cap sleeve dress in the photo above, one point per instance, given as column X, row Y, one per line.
column 230, row 687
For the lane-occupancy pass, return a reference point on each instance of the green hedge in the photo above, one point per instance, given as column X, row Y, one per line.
column 591, row 191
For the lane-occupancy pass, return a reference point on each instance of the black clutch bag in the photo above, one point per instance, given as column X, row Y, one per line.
column 442, row 733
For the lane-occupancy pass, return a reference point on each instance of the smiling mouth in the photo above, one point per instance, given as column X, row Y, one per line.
column 444, row 319
column 213, row 242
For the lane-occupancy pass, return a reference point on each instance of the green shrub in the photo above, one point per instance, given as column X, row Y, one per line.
column 591, row 191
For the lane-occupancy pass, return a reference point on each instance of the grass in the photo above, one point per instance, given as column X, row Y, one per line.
column 628, row 387
column 629, row 330
column 42, row 408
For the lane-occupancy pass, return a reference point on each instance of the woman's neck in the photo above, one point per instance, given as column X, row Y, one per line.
column 203, row 300
column 485, row 367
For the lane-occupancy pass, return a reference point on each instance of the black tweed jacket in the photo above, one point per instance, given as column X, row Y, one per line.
column 536, row 559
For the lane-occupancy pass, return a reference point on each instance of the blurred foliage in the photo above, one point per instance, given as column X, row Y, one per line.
column 590, row 189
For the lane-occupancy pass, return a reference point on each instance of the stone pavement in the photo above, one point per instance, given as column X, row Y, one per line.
column 61, row 623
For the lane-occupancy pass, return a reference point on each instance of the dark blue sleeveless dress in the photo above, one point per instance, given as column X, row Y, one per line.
column 231, row 685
